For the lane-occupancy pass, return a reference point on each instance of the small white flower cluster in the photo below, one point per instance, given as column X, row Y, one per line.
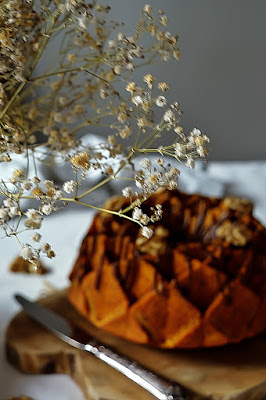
column 79, row 12
column 146, row 103
column 149, row 179
column 147, row 232
column 8, row 210
column 127, row 192
column 11, row 213
column 99, row 158
column 144, row 219
column 81, row 160
column 172, row 118
column 69, row 186
column 166, row 41
column 193, row 146
column 48, row 196
column 198, row 141
column 30, row 253
column 34, row 219
column 123, row 50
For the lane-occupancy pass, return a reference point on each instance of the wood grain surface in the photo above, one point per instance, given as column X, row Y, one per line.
column 235, row 372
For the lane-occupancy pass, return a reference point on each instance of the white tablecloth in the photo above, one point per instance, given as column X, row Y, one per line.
column 65, row 230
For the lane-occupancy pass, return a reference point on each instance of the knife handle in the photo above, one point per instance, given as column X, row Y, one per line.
column 158, row 386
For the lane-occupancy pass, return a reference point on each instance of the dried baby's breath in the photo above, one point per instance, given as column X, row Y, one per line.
column 43, row 114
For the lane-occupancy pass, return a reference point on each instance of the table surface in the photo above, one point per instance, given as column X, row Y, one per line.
column 65, row 230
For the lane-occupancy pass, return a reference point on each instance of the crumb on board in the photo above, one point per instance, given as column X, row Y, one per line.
column 27, row 267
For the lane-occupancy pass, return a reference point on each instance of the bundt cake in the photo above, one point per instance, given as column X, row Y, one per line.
column 199, row 281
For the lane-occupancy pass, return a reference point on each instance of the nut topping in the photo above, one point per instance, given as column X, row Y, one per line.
column 156, row 245
column 241, row 205
column 236, row 234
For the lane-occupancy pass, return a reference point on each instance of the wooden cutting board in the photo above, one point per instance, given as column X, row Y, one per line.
column 235, row 372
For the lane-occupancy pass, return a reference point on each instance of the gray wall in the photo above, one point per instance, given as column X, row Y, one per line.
column 221, row 77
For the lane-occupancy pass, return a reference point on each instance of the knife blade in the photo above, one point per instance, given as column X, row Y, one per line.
column 158, row 386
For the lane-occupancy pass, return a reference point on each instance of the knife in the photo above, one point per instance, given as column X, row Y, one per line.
column 158, row 386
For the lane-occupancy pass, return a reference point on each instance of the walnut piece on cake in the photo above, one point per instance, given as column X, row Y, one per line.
column 236, row 234
column 239, row 204
column 156, row 244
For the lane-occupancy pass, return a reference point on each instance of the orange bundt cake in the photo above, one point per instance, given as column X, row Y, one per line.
column 199, row 281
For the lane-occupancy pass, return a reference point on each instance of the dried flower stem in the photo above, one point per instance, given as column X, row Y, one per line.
column 106, row 180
